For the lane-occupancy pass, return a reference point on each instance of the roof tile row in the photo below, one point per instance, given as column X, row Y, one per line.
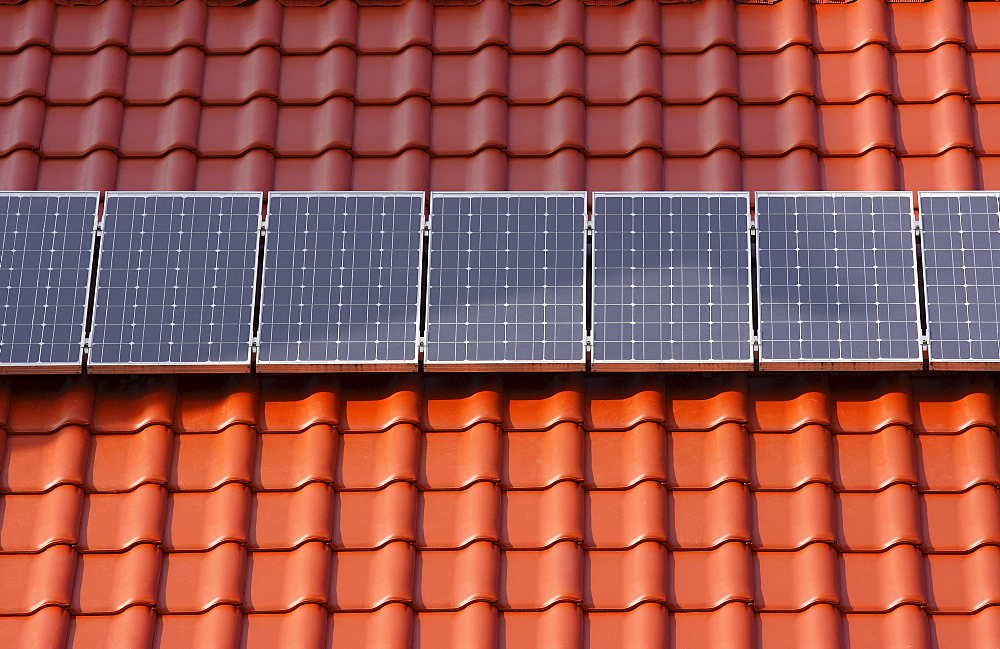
column 767, row 402
column 344, row 580
column 679, row 27
column 611, row 79
column 396, row 626
column 492, row 170
column 521, row 131
column 281, row 520
column 517, row 460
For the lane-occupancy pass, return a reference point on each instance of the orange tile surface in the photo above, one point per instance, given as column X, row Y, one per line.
column 730, row 510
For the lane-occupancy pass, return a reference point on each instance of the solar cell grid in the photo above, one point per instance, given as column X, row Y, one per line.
column 671, row 281
column 506, row 281
column 176, row 281
column 837, row 280
column 961, row 258
column 46, row 254
column 341, row 285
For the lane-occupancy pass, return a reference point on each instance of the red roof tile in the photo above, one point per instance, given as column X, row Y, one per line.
column 470, row 84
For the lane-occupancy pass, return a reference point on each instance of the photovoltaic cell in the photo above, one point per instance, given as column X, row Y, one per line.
column 341, row 285
column 671, row 281
column 961, row 254
column 176, row 281
column 46, row 256
column 837, row 279
column 506, row 280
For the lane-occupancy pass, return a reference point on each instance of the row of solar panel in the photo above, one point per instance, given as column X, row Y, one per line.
column 343, row 275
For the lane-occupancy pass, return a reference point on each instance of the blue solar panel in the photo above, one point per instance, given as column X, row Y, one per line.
column 506, row 281
column 961, row 254
column 176, row 281
column 671, row 281
column 341, row 284
column 837, row 279
column 46, row 256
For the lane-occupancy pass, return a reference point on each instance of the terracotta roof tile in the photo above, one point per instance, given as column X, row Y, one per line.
column 370, row 519
column 537, row 579
column 905, row 625
column 220, row 627
column 647, row 626
column 817, row 626
column 206, row 461
column 110, row 583
column 620, row 459
column 623, row 579
column 117, row 521
column 709, row 518
column 34, row 522
column 88, row 28
column 879, row 582
column 120, row 462
column 957, row 462
column 203, row 520
column 876, row 521
column 787, row 461
column 45, row 628
column 796, row 581
column 731, row 625
column 948, row 519
column 33, row 581
column 135, row 626
column 290, row 460
column 304, row 626
column 533, row 460
column 372, row 460
column 469, row 576
column 954, row 631
column 35, row 463
column 474, row 625
column 194, row 582
column 788, row 520
column 237, row 79
column 453, row 519
column 285, row 520
column 621, row 519
column 167, row 29
column 280, row 581
column 456, row 460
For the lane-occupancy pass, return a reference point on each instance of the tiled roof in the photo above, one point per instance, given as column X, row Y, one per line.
column 497, row 95
column 476, row 510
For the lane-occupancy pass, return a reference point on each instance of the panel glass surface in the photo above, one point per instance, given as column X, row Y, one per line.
column 671, row 278
column 341, row 278
column 506, row 278
column 961, row 253
column 46, row 256
column 837, row 277
column 176, row 279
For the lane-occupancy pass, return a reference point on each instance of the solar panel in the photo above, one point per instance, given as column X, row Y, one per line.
column 341, row 283
column 837, row 281
column 506, row 281
column 671, row 280
column 961, row 255
column 46, row 256
column 175, row 282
